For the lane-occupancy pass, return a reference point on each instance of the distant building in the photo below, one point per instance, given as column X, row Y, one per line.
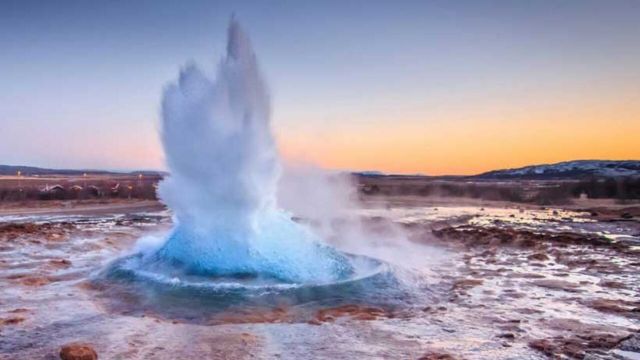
column 94, row 190
column 52, row 189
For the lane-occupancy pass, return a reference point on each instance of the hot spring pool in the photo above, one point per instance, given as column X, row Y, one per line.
column 130, row 285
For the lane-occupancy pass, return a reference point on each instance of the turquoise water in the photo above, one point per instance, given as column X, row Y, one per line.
column 276, row 247
column 136, row 286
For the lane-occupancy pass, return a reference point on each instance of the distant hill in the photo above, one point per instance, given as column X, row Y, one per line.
column 568, row 170
column 32, row 170
column 372, row 173
column 577, row 169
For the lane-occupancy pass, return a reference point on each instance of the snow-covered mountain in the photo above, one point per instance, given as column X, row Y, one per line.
column 569, row 169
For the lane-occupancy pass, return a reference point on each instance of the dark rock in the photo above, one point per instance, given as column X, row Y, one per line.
column 34, row 280
column 19, row 310
column 627, row 308
column 466, row 284
column 538, row 256
column 544, row 346
column 78, row 351
column 578, row 339
column 62, row 263
column 612, row 284
column 11, row 320
column 436, row 356
column 630, row 344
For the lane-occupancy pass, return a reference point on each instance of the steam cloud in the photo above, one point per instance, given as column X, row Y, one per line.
column 224, row 173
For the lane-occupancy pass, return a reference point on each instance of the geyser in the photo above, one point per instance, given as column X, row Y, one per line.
column 224, row 171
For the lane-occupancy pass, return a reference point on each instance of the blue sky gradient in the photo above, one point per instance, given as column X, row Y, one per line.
column 81, row 80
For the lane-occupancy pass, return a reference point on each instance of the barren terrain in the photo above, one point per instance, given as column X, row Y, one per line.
column 491, row 279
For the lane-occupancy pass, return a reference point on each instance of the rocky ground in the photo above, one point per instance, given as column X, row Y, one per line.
column 495, row 281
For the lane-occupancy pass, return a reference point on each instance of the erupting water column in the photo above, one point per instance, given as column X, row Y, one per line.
column 224, row 172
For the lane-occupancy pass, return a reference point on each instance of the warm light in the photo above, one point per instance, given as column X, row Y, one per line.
column 471, row 141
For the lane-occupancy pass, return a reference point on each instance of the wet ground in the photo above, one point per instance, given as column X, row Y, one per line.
column 480, row 282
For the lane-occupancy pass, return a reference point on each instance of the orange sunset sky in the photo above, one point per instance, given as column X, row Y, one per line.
column 476, row 138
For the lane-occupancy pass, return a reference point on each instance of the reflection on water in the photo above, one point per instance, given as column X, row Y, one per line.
column 128, row 285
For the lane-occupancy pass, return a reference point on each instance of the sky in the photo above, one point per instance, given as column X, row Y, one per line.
column 430, row 87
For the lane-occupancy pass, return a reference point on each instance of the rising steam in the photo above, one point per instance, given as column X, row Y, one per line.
column 224, row 173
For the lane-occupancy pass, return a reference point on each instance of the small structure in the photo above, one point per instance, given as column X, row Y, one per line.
column 52, row 192
column 94, row 191
column 52, row 189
